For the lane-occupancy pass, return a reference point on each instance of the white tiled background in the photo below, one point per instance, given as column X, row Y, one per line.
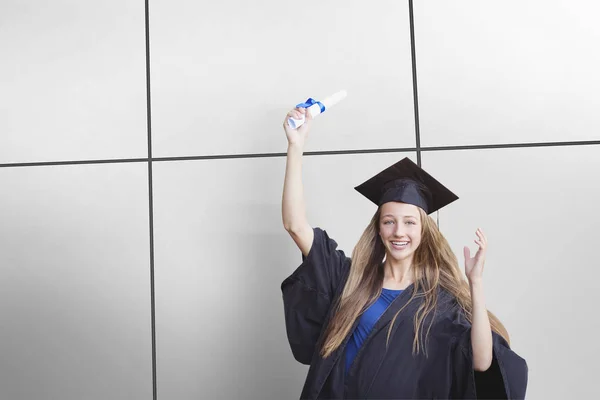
column 75, row 248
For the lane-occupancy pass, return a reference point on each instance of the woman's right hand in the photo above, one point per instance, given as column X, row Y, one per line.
column 297, row 136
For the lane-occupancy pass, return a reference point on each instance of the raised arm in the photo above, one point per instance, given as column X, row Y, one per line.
column 292, row 205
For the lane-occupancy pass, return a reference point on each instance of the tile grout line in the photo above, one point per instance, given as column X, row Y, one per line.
column 150, row 200
column 309, row 153
column 414, row 76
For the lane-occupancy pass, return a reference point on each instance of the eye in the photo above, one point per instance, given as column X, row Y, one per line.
column 388, row 222
column 411, row 222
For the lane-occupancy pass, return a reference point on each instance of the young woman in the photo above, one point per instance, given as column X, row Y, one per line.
column 397, row 320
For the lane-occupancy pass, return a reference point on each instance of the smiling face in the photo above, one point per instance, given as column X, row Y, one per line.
column 400, row 229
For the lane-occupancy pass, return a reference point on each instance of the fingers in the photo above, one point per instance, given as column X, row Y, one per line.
column 481, row 234
column 481, row 239
column 297, row 113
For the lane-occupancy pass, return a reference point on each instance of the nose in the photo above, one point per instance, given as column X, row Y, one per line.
column 399, row 231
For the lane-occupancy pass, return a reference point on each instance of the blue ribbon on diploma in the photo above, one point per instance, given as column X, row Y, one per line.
column 309, row 103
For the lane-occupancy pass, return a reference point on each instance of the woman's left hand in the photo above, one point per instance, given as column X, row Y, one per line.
column 474, row 266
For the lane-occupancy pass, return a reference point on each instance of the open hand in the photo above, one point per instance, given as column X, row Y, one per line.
column 474, row 266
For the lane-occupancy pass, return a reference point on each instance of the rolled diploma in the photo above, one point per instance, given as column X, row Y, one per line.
column 315, row 109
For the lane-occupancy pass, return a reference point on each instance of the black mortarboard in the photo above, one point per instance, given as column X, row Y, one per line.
column 406, row 182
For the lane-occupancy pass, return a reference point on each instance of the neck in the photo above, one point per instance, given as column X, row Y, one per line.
column 398, row 272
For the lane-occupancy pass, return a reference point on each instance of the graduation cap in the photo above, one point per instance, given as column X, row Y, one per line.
column 408, row 183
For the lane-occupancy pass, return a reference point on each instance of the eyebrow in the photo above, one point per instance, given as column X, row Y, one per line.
column 405, row 216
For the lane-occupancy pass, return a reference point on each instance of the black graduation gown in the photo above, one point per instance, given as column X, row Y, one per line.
column 377, row 373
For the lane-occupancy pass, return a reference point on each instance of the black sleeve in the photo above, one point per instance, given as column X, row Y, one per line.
column 308, row 294
column 505, row 379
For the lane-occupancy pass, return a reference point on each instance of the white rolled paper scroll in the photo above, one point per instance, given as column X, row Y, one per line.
column 315, row 109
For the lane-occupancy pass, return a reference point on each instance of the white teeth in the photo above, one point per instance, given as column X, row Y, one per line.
column 399, row 243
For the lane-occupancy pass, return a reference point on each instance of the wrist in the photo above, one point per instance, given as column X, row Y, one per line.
column 295, row 148
column 475, row 283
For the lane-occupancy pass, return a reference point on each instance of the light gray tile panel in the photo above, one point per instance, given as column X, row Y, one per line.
column 73, row 80
column 75, row 283
column 221, row 255
column 225, row 74
column 507, row 71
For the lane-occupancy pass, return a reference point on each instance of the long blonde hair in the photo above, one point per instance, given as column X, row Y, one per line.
column 434, row 266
